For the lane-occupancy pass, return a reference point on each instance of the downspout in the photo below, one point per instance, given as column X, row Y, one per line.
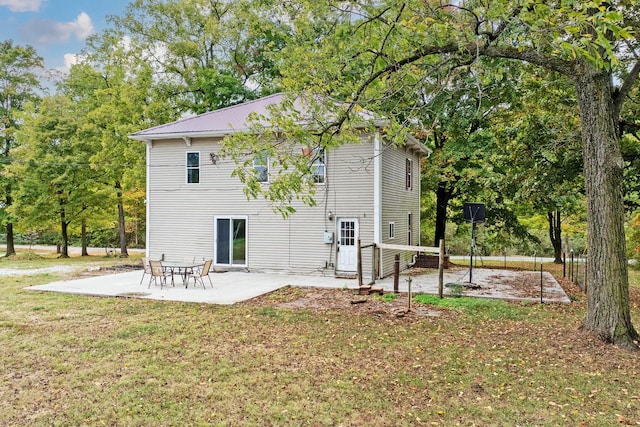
column 148, row 191
column 377, row 193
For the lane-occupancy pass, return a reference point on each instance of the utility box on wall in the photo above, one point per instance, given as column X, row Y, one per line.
column 328, row 236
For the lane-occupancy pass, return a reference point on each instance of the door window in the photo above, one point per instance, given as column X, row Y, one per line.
column 348, row 233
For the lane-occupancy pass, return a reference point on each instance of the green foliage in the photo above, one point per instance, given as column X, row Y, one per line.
column 51, row 163
column 482, row 308
column 19, row 66
column 633, row 238
column 386, row 297
column 208, row 54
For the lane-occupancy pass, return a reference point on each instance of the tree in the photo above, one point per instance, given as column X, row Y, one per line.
column 52, row 164
column 588, row 42
column 115, row 89
column 542, row 136
column 207, row 54
column 465, row 151
column 18, row 85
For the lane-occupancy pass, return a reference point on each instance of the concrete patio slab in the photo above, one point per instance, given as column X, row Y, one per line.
column 233, row 287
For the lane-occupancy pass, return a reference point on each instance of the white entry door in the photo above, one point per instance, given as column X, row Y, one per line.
column 347, row 249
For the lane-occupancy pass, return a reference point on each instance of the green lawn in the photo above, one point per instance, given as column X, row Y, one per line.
column 74, row 360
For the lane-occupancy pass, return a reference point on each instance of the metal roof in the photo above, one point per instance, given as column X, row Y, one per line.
column 230, row 120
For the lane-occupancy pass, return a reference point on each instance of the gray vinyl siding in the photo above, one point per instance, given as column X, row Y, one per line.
column 181, row 215
column 397, row 202
column 351, row 190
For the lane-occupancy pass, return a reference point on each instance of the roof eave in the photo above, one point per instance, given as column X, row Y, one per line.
column 182, row 135
column 414, row 142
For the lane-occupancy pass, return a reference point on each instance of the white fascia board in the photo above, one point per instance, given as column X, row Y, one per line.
column 182, row 135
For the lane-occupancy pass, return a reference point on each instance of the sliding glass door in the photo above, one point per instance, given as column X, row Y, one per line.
column 231, row 241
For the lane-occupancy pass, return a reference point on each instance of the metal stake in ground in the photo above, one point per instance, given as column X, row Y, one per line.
column 541, row 279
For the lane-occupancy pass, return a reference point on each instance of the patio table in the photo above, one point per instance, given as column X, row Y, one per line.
column 181, row 268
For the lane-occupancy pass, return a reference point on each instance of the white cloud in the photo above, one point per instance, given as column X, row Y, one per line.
column 70, row 59
column 83, row 27
column 51, row 32
column 22, row 5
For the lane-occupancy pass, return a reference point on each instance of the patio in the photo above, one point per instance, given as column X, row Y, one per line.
column 233, row 287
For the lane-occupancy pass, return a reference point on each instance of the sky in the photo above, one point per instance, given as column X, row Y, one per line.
column 57, row 29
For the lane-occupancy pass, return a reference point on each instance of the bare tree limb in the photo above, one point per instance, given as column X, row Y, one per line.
column 627, row 84
column 561, row 66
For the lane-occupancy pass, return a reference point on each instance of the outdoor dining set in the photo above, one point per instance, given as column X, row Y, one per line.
column 160, row 271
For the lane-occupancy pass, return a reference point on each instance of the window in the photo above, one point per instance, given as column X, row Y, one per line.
column 347, row 233
column 261, row 166
column 318, row 165
column 409, row 229
column 193, row 167
column 392, row 230
column 231, row 241
column 409, row 174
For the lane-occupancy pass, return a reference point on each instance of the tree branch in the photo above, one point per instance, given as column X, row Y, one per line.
column 561, row 66
column 627, row 84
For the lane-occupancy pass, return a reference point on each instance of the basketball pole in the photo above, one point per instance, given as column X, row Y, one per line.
column 473, row 212
column 473, row 238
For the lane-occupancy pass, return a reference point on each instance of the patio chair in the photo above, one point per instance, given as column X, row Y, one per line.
column 157, row 273
column 147, row 268
column 200, row 274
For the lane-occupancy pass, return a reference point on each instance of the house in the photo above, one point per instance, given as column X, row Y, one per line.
column 368, row 191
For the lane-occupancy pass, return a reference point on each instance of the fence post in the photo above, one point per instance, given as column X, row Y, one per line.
column 396, row 273
column 373, row 263
column 359, row 261
column 541, row 278
column 571, row 276
column 441, row 270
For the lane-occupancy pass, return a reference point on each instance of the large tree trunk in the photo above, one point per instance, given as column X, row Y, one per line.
column 608, row 312
column 555, row 235
column 11, row 249
column 64, row 224
column 83, row 236
column 443, row 196
column 121, row 223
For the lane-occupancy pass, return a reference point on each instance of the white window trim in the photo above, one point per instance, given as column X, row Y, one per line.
column 187, row 168
column 316, row 163
column 392, row 230
column 409, row 174
column 215, row 243
column 265, row 165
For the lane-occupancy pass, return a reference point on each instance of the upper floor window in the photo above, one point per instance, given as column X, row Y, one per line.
column 409, row 174
column 392, row 230
column 261, row 166
column 193, row 167
column 318, row 168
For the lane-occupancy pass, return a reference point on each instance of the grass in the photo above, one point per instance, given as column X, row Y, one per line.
column 70, row 360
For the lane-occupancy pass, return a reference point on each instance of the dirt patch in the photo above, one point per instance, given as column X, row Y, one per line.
column 320, row 299
column 525, row 285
